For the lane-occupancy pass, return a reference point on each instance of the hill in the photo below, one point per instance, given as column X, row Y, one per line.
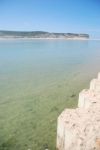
column 40, row 34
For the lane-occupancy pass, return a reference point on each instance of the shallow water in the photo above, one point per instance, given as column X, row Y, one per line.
column 38, row 79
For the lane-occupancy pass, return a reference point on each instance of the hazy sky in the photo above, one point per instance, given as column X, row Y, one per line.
column 51, row 15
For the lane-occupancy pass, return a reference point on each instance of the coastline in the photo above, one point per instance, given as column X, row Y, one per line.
column 26, row 38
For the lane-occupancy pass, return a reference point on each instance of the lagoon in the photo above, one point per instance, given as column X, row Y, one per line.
column 38, row 79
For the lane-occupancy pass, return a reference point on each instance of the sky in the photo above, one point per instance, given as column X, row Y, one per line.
column 76, row 16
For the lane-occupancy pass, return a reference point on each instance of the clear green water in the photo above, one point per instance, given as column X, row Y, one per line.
column 38, row 79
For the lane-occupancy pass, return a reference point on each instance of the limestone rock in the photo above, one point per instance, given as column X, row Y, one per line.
column 79, row 129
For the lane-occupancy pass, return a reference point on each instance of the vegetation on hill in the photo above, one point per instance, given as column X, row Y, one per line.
column 40, row 34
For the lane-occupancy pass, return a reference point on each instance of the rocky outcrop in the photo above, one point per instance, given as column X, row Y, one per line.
column 79, row 129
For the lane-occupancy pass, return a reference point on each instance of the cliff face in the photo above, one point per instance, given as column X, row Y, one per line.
column 79, row 129
column 40, row 34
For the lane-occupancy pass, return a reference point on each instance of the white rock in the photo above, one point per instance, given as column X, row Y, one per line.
column 79, row 129
column 99, row 76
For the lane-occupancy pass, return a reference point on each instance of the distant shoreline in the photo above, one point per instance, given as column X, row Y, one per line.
column 42, row 35
column 26, row 38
